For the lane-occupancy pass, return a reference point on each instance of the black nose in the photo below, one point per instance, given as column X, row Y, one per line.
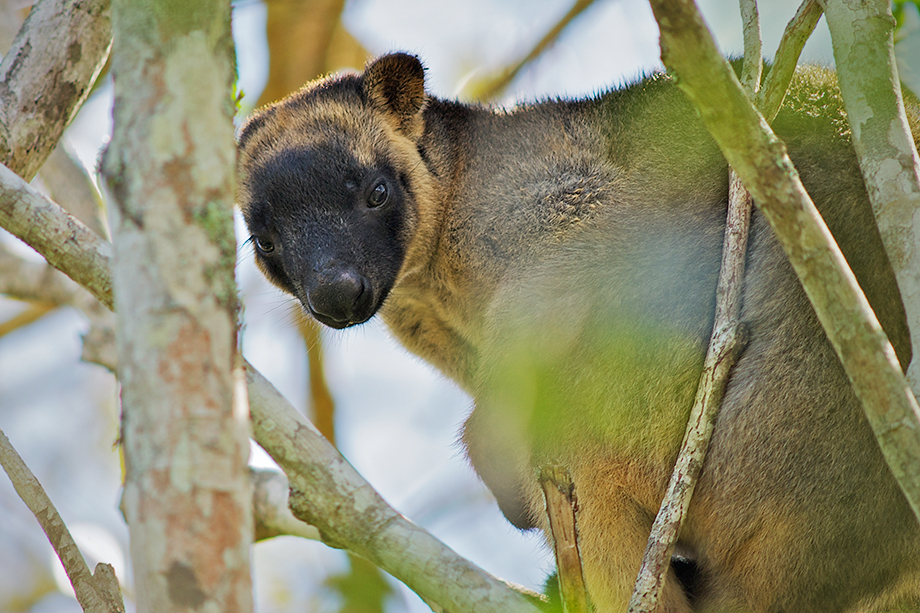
column 340, row 297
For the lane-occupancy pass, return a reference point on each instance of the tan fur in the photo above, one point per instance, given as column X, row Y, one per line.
column 558, row 261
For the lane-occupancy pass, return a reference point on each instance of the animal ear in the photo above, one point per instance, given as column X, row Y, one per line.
column 395, row 84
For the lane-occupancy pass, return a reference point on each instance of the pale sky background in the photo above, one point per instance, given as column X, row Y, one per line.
column 397, row 420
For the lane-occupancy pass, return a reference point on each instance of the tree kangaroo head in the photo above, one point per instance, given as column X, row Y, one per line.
column 330, row 182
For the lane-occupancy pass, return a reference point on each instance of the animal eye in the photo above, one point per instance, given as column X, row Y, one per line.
column 263, row 245
column 379, row 195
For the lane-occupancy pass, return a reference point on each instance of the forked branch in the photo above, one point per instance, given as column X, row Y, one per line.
column 797, row 33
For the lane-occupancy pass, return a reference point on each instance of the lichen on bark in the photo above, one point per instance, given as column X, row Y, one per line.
column 170, row 170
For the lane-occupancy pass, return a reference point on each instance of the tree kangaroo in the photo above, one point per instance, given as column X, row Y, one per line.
column 558, row 260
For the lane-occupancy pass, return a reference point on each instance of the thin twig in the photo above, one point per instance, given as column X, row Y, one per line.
column 492, row 88
column 562, row 509
column 32, row 313
column 797, row 33
column 95, row 594
column 753, row 47
column 725, row 345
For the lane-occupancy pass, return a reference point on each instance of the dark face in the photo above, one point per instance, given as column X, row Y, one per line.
column 327, row 229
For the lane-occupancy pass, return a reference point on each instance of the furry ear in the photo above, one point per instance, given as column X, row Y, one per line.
column 395, row 84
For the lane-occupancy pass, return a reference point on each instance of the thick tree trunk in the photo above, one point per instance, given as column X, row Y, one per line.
column 170, row 171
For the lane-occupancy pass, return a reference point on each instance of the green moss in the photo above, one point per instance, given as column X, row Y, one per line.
column 216, row 219
column 182, row 17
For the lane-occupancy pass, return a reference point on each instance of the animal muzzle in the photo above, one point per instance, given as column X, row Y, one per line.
column 341, row 297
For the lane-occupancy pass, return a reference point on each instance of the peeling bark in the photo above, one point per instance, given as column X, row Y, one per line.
column 170, row 170
column 862, row 36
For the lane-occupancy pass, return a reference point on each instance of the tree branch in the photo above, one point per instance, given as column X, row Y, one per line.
column 760, row 160
column 96, row 594
column 796, row 34
column 169, row 169
column 46, row 76
column 68, row 183
column 65, row 242
column 31, row 314
column 46, row 286
column 861, row 34
column 725, row 345
column 562, row 509
column 494, row 86
column 329, row 494
column 37, row 281
column 272, row 514
column 723, row 352
column 753, row 47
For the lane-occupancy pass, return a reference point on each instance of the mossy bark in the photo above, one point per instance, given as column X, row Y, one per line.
column 169, row 169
